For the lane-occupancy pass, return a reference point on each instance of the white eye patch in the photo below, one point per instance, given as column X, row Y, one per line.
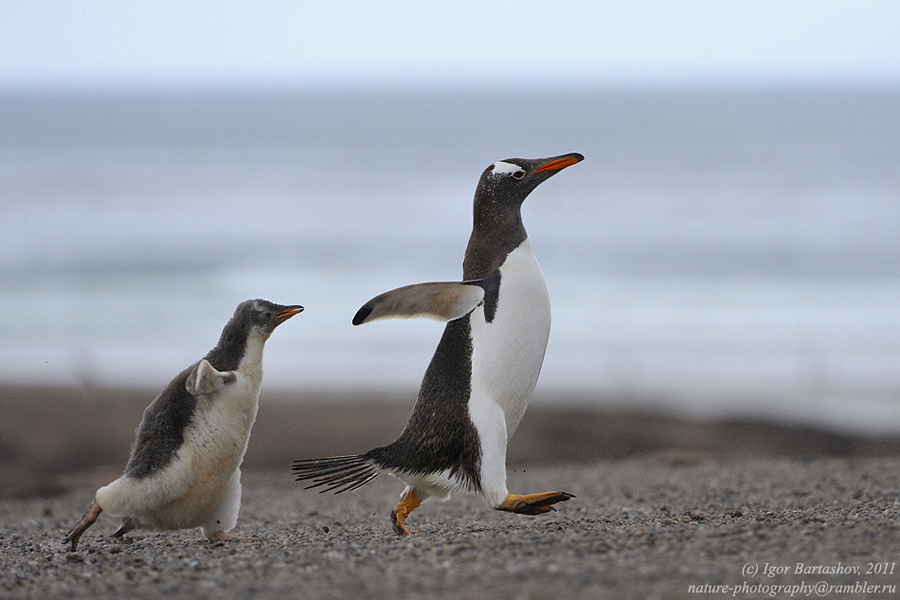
column 505, row 168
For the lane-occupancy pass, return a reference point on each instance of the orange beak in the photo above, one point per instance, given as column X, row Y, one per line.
column 562, row 162
column 289, row 312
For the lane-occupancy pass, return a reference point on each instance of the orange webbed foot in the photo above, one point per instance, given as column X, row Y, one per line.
column 399, row 527
column 407, row 504
column 533, row 504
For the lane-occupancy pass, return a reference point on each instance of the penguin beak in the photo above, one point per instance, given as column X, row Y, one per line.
column 560, row 162
column 288, row 312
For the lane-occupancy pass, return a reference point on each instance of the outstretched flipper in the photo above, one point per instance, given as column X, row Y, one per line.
column 205, row 379
column 444, row 301
column 533, row 504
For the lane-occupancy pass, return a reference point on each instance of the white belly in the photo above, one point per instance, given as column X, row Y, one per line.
column 188, row 489
column 507, row 355
column 508, row 352
column 214, row 447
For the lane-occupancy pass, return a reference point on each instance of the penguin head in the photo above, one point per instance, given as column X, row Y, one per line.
column 497, row 224
column 508, row 182
column 263, row 316
column 505, row 184
column 253, row 319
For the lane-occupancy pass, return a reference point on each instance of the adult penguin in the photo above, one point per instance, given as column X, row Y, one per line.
column 479, row 382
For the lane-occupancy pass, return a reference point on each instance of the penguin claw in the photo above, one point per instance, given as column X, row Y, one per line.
column 396, row 525
column 399, row 526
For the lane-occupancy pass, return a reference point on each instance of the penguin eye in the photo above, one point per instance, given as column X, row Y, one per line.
column 519, row 174
column 268, row 316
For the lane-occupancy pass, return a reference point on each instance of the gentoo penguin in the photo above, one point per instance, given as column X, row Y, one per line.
column 184, row 469
column 484, row 370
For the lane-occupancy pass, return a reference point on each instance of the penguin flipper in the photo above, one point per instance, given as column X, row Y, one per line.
column 444, row 301
column 205, row 379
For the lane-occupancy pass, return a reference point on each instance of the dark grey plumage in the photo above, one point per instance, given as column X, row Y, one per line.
column 161, row 432
column 433, row 440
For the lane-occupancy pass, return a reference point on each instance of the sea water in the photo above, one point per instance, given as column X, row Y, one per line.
column 718, row 252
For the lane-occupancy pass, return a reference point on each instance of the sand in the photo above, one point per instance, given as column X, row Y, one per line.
column 662, row 504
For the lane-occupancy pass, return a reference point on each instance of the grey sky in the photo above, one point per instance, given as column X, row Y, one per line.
column 272, row 42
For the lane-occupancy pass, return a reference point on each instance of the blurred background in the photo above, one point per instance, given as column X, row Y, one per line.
column 728, row 249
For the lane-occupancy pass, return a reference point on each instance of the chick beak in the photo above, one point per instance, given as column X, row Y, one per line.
column 288, row 312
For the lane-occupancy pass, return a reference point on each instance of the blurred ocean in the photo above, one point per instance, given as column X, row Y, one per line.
column 718, row 253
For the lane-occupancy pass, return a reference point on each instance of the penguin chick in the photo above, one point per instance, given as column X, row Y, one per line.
column 479, row 382
column 184, row 469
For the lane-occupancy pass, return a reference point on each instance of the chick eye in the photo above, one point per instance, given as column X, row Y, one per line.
column 268, row 316
column 519, row 174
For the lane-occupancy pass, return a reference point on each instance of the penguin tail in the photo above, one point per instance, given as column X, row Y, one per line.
column 338, row 473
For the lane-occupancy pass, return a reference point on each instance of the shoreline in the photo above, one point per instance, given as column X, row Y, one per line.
column 53, row 438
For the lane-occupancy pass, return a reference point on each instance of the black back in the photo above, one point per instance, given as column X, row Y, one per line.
column 439, row 434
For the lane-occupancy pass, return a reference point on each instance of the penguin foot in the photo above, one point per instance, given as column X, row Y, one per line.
column 221, row 536
column 86, row 521
column 533, row 504
column 407, row 504
column 126, row 526
column 398, row 524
